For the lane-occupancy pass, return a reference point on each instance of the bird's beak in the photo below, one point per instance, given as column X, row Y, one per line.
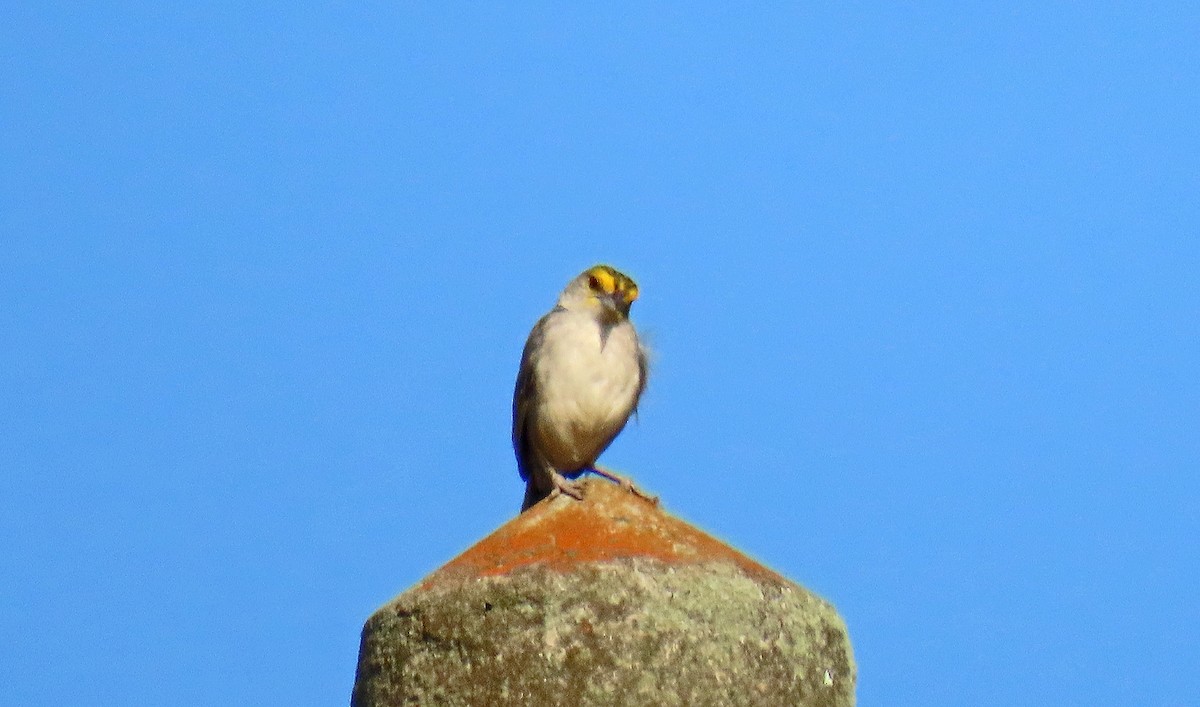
column 617, row 304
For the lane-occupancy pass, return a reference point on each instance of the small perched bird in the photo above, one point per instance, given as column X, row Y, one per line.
column 582, row 372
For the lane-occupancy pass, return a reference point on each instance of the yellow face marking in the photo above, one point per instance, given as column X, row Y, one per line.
column 602, row 279
column 605, row 281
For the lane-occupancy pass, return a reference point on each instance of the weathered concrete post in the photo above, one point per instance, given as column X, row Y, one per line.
column 608, row 601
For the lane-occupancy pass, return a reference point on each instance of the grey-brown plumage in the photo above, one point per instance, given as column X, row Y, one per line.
column 582, row 373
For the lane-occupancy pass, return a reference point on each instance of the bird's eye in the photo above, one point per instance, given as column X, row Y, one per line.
column 593, row 282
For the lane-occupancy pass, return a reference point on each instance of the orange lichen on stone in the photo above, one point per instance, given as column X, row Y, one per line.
column 609, row 525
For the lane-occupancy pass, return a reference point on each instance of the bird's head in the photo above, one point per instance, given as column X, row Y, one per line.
column 603, row 290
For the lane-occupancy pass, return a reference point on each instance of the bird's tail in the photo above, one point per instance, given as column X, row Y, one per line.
column 532, row 494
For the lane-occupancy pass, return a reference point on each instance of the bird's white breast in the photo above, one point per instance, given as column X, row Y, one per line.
column 586, row 388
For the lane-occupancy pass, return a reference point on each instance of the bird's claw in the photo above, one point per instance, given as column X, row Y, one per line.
column 563, row 485
column 625, row 483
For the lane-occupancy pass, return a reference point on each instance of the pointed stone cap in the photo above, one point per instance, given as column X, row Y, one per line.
column 605, row 601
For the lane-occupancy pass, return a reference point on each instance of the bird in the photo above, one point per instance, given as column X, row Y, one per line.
column 582, row 373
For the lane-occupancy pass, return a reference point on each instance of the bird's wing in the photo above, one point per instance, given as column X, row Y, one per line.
column 524, row 396
column 643, row 362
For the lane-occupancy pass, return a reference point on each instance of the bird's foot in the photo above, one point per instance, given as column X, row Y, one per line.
column 624, row 483
column 563, row 485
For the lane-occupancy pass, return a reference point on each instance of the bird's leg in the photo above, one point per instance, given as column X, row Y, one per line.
column 564, row 485
column 624, row 483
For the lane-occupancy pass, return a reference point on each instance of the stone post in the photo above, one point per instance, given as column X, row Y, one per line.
column 608, row 601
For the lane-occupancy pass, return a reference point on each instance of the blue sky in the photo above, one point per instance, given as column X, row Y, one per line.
column 921, row 284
